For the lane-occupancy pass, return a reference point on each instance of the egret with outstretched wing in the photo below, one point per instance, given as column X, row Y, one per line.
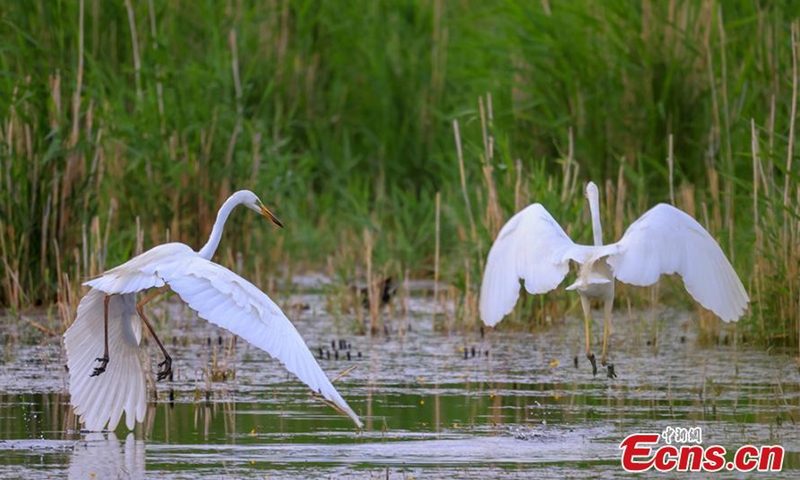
column 109, row 321
column 534, row 248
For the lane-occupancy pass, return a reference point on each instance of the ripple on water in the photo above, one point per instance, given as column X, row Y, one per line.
column 517, row 408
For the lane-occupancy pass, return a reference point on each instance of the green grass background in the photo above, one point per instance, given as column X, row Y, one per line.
column 341, row 120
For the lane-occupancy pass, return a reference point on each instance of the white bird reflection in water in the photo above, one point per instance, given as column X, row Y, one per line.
column 101, row 456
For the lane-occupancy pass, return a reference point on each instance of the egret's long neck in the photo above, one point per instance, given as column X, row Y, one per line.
column 216, row 233
column 597, row 229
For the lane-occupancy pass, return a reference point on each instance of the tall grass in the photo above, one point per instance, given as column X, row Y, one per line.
column 341, row 116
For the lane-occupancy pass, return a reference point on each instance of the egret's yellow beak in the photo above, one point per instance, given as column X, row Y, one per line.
column 265, row 211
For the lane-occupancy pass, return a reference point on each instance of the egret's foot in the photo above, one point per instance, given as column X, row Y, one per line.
column 166, row 368
column 593, row 360
column 611, row 373
column 575, row 361
column 102, row 367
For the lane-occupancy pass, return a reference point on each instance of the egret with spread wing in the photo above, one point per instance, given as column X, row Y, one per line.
column 534, row 248
column 109, row 321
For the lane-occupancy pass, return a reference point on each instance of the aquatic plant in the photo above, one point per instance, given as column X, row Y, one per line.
column 341, row 116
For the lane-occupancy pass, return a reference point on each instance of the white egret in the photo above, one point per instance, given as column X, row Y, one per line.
column 534, row 248
column 107, row 322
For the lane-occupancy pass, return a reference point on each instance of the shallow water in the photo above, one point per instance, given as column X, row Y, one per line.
column 518, row 408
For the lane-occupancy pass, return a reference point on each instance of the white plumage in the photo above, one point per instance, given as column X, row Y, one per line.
column 666, row 240
column 533, row 247
column 102, row 399
column 214, row 292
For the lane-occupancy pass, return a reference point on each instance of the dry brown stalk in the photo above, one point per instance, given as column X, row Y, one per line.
column 457, row 134
column 436, row 257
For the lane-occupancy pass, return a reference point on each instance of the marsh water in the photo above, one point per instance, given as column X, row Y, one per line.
column 435, row 403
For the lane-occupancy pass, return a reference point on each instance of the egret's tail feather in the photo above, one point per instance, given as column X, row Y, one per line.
column 101, row 400
column 591, row 280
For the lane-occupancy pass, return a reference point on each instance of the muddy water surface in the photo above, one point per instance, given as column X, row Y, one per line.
column 435, row 404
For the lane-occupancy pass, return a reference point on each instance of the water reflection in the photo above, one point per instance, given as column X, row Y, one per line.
column 101, row 455
column 429, row 404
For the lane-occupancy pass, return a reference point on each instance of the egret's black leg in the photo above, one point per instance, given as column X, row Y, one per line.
column 104, row 359
column 587, row 321
column 166, row 365
column 606, row 330
column 593, row 361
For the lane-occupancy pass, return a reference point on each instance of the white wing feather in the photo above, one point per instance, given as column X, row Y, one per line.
column 101, row 400
column 532, row 247
column 666, row 240
column 140, row 272
column 225, row 299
